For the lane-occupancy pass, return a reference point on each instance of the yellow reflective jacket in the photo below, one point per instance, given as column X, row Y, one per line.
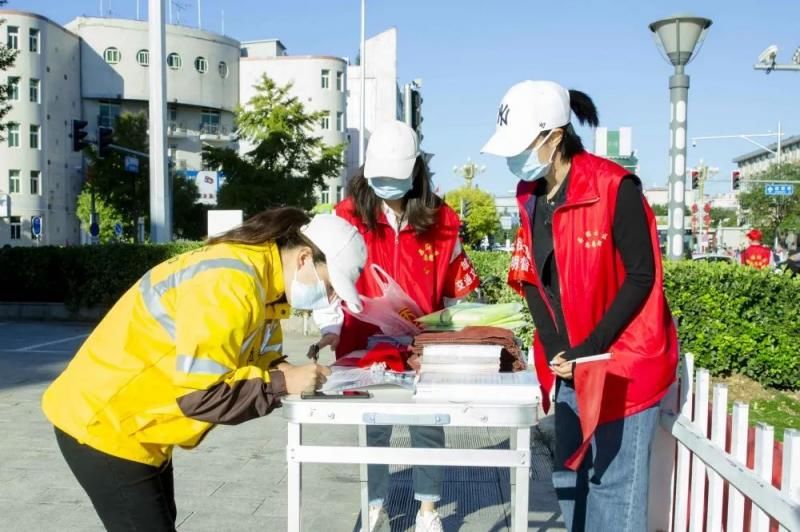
column 190, row 345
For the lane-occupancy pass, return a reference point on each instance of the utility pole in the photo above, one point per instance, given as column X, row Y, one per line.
column 160, row 197
column 362, row 61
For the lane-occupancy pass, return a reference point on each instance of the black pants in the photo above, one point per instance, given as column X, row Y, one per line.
column 126, row 495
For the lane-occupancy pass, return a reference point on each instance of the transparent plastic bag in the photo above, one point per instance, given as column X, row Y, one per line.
column 394, row 312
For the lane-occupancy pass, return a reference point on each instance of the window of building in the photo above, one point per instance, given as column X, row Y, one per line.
column 174, row 61
column 13, row 38
column 172, row 115
column 325, row 196
column 222, row 68
column 325, row 122
column 13, row 135
column 210, row 121
column 112, row 55
column 13, row 89
column 339, row 81
column 108, row 114
column 34, row 137
column 339, row 193
column 16, row 227
column 13, row 182
column 33, row 40
column 34, row 90
column 35, row 181
column 172, row 153
column 143, row 57
column 339, row 121
column 201, row 65
column 326, row 79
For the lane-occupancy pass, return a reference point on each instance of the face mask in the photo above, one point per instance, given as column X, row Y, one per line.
column 526, row 165
column 390, row 189
column 309, row 297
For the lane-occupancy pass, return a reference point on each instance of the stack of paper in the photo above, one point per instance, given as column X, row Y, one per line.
column 453, row 358
column 509, row 388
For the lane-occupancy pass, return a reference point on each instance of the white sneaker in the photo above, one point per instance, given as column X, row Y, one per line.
column 377, row 517
column 428, row 522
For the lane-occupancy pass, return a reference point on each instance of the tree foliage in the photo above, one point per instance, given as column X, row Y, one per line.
column 109, row 216
column 285, row 164
column 7, row 57
column 774, row 215
column 129, row 193
column 482, row 219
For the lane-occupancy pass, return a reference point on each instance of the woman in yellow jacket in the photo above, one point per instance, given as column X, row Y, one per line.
column 195, row 343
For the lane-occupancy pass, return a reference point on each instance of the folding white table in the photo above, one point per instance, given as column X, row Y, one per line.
column 395, row 406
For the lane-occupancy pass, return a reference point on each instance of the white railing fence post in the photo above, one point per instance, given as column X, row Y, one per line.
column 790, row 472
column 662, row 468
column 698, row 496
column 759, row 521
column 739, row 435
column 719, row 423
column 680, row 511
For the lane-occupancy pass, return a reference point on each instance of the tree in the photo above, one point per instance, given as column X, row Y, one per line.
column 482, row 219
column 774, row 215
column 129, row 193
column 7, row 57
column 286, row 164
column 728, row 217
column 109, row 216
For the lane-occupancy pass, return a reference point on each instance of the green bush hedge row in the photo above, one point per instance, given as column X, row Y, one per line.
column 733, row 319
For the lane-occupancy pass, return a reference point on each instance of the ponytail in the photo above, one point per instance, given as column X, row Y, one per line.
column 586, row 113
column 280, row 225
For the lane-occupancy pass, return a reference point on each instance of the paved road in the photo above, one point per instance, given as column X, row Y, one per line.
column 236, row 480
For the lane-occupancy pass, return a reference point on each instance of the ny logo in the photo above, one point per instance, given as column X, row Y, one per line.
column 502, row 115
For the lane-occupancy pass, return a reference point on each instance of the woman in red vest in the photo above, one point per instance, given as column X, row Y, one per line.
column 757, row 255
column 587, row 259
column 413, row 236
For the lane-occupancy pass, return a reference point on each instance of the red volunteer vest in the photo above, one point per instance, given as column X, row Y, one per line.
column 420, row 264
column 757, row 256
column 644, row 356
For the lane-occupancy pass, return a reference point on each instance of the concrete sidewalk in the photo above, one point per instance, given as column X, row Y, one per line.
column 236, row 480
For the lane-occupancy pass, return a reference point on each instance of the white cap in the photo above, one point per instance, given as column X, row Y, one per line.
column 345, row 254
column 527, row 109
column 391, row 151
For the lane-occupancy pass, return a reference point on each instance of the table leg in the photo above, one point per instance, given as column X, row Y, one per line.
column 295, row 476
column 520, row 476
column 364, row 474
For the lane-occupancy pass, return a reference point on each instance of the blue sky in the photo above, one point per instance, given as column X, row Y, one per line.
column 469, row 52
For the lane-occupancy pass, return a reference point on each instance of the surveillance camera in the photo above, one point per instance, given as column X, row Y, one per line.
column 768, row 56
column 694, row 143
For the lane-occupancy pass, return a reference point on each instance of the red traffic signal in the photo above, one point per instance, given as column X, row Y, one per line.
column 736, row 180
column 695, row 179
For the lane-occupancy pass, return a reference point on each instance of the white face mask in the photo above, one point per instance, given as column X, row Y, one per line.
column 309, row 297
column 526, row 165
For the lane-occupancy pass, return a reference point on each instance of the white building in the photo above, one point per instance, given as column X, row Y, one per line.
column 384, row 101
column 38, row 170
column 660, row 196
column 202, row 84
column 758, row 161
column 320, row 84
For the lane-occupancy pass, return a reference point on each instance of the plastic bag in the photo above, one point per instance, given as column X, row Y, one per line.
column 393, row 311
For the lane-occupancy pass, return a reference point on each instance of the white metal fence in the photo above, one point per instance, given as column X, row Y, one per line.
column 720, row 475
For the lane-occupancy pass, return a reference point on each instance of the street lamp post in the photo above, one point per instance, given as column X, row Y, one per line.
column 469, row 171
column 678, row 36
column 362, row 62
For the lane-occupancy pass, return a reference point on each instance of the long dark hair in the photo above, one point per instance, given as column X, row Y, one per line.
column 585, row 111
column 280, row 225
column 421, row 203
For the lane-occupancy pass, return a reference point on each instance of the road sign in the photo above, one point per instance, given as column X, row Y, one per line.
column 131, row 164
column 36, row 226
column 778, row 189
column 94, row 229
column 118, row 229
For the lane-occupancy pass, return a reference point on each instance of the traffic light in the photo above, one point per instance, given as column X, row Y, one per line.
column 695, row 179
column 465, row 210
column 104, row 139
column 462, row 232
column 416, row 112
column 736, row 180
column 78, row 134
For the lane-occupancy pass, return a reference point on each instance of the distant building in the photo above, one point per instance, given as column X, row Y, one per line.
column 507, row 210
column 660, row 196
column 758, row 161
column 617, row 145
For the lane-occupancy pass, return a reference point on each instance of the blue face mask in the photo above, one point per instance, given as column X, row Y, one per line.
column 526, row 165
column 390, row 189
column 309, row 296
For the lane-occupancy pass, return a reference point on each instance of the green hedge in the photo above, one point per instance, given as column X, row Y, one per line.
column 733, row 319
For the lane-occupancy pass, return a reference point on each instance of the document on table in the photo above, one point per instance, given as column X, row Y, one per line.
column 342, row 379
column 518, row 387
